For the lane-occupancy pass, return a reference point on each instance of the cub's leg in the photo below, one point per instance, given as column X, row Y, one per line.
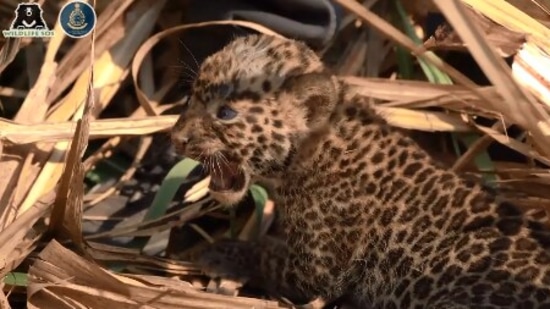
column 266, row 263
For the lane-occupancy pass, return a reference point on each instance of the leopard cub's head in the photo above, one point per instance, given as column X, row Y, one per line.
column 250, row 104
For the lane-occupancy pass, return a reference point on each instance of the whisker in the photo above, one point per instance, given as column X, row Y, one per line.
column 217, row 162
column 207, row 164
column 186, row 72
column 187, row 68
column 212, row 164
column 200, row 158
column 191, row 54
column 223, row 158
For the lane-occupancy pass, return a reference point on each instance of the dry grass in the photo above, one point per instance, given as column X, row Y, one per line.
column 42, row 146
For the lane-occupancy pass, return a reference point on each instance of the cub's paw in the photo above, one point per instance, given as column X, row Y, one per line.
column 229, row 259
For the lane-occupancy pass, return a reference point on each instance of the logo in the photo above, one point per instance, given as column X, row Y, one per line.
column 28, row 22
column 77, row 19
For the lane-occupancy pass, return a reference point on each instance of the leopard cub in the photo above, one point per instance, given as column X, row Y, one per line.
column 365, row 212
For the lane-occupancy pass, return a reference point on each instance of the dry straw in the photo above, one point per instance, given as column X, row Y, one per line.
column 41, row 148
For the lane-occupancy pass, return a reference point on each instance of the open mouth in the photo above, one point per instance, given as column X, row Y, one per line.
column 227, row 176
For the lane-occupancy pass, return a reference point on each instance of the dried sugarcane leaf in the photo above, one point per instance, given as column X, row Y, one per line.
column 79, row 282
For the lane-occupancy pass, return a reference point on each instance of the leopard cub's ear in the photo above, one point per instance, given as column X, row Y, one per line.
column 318, row 92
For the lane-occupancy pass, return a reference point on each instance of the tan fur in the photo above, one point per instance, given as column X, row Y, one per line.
column 365, row 213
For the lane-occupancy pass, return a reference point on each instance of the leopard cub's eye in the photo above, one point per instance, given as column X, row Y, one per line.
column 226, row 113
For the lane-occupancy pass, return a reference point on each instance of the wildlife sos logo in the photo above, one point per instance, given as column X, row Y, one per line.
column 28, row 22
column 77, row 19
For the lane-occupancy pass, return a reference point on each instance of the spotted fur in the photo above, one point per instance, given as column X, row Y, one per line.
column 365, row 212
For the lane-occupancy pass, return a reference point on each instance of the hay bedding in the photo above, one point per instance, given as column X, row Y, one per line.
column 92, row 212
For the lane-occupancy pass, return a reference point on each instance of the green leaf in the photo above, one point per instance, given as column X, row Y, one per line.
column 404, row 63
column 260, row 197
column 482, row 160
column 433, row 74
column 170, row 185
column 110, row 168
column 16, row 279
